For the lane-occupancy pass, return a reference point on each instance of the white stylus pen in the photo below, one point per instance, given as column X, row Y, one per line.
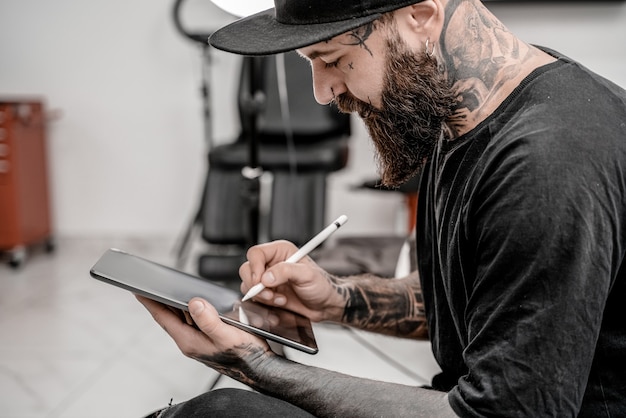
column 302, row 252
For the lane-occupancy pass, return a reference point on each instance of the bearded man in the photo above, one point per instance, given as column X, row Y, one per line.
column 520, row 229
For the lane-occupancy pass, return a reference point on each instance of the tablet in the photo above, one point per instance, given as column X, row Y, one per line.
column 176, row 288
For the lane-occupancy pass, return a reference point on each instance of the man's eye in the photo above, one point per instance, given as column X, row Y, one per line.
column 333, row 64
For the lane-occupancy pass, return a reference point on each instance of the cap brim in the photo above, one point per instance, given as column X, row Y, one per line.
column 261, row 34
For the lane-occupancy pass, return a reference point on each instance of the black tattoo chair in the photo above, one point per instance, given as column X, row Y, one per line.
column 299, row 142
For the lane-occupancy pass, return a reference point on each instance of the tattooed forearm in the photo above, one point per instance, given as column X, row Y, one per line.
column 326, row 393
column 389, row 306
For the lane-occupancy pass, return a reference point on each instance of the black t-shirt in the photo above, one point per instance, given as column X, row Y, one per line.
column 521, row 239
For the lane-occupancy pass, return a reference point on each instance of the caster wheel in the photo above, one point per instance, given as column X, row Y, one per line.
column 17, row 257
column 50, row 245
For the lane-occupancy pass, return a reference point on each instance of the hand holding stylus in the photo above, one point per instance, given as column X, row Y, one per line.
column 303, row 251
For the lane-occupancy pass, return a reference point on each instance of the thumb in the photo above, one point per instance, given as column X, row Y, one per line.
column 205, row 316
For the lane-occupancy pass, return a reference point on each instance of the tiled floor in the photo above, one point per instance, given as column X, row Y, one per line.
column 71, row 346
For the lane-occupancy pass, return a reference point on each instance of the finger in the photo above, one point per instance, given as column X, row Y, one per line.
column 262, row 256
column 245, row 273
column 160, row 309
column 154, row 307
column 247, row 282
column 298, row 274
column 205, row 317
column 188, row 318
column 258, row 258
column 168, row 319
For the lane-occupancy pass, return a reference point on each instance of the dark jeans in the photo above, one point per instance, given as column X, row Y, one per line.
column 232, row 403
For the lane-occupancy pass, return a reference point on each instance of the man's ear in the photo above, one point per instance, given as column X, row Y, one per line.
column 421, row 21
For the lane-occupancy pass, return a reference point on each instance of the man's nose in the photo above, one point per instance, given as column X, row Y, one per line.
column 327, row 86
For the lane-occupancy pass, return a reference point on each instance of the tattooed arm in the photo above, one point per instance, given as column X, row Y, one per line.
column 324, row 393
column 388, row 306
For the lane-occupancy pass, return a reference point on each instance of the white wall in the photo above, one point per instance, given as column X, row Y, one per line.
column 127, row 154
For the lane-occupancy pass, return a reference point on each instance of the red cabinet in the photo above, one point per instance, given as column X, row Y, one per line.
column 24, row 194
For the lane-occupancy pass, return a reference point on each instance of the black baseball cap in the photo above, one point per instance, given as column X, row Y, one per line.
column 293, row 24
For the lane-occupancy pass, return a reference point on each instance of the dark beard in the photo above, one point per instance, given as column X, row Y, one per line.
column 415, row 101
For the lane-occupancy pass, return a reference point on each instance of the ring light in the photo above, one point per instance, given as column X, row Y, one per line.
column 241, row 8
